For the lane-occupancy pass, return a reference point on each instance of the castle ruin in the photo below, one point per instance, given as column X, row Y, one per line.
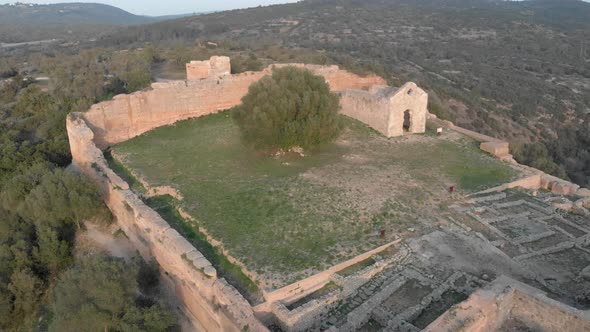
column 369, row 295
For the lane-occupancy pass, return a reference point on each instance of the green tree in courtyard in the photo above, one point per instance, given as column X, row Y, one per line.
column 292, row 107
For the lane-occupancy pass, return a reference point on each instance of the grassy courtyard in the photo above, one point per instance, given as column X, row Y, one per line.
column 289, row 217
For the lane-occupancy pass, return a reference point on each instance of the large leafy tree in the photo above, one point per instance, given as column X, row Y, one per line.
column 292, row 107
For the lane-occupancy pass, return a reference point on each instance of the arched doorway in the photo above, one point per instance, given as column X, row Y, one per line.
column 407, row 120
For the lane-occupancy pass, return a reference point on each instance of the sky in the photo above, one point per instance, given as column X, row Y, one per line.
column 171, row 7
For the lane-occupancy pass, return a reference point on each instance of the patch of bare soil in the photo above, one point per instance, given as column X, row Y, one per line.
column 106, row 239
column 380, row 189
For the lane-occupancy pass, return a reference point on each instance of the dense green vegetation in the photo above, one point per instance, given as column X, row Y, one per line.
column 100, row 293
column 292, row 107
column 40, row 211
column 297, row 210
column 43, row 205
column 32, row 121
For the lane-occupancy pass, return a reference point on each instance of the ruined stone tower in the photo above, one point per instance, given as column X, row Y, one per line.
column 216, row 66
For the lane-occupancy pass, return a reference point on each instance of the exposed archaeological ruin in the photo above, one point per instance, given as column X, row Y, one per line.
column 514, row 257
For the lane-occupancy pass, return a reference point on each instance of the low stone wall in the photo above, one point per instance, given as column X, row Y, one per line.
column 308, row 316
column 208, row 301
column 304, row 317
column 501, row 150
column 310, row 284
column 127, row 116
column 540, row 180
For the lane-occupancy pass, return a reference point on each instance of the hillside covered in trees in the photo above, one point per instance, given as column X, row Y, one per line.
column 44, row 206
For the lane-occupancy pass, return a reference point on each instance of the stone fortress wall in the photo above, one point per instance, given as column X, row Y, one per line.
column 209, row 302
column 127, row 116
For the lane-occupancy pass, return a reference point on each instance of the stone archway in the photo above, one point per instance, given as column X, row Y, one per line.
column 407, row 121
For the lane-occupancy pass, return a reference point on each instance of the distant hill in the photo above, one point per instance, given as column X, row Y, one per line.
column 27, row 22
column 69, row 13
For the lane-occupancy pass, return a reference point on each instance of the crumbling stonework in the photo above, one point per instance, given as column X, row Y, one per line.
column 390, row 111
column 507, row 301
column 496, row 148
column 127, row 116
column 308, row 316
column 216, row 66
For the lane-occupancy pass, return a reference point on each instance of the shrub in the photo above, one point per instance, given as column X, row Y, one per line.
column 292, row 107
column 100, row 293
